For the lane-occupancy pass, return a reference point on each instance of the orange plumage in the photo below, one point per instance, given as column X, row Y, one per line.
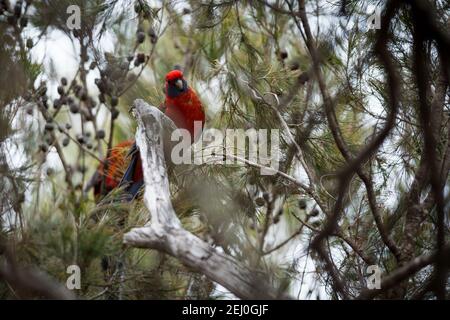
column 183, row 106
column 115, row 164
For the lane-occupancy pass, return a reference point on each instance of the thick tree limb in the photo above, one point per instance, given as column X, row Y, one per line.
column 165, row 233
column 30, row 282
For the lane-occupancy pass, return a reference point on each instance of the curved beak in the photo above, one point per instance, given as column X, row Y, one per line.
column 179, row 84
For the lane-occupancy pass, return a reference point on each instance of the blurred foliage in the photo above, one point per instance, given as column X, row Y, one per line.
column 54, row 130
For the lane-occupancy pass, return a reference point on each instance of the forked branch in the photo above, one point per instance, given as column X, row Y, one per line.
column 165, row 233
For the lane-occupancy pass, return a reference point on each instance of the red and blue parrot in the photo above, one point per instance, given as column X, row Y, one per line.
column 183, row 106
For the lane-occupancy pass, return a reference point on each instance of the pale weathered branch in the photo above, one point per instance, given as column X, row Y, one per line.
column 164, row 231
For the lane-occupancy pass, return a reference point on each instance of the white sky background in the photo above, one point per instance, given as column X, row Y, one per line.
column 57, row 50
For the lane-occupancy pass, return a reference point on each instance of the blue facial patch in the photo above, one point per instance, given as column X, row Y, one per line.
column 173, row 91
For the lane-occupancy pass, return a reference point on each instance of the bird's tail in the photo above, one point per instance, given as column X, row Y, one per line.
column 133, row 177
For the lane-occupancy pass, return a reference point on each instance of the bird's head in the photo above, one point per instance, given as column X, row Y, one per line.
column 175, row 83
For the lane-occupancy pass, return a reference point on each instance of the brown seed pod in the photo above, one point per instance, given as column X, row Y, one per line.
column 65, row 142
column 23, row 22
column 141, row 57
column 283, row 55
column 302, row 204
column 137, row 7
column 73, row 107
column 49, row 127
column 140, row 37
column 295, row 66
column 114, row 113
column 114, row 101
column 314, row 213
column 316, row 224
column 100, row 134
column 12, row 20
column 259, row 201
column 43, row 147
column 18, row 9
column 252, row 180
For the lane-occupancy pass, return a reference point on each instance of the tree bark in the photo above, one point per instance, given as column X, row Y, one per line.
column 165, row 233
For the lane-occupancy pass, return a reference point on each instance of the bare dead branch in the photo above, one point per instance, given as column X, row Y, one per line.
column 165, row 233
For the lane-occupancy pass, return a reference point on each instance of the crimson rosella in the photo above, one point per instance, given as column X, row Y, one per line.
column 183, row 106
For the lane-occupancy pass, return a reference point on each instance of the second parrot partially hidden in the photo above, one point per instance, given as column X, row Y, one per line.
column 124, row 166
